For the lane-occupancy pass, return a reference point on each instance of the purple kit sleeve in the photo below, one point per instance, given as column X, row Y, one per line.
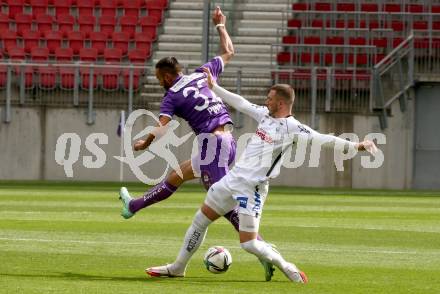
column 167, row 106
column 215, row 65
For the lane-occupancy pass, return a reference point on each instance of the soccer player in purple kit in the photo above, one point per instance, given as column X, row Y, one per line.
column 189, row 97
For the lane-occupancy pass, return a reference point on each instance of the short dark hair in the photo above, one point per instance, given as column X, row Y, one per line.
column 169, row 65
column 285, row 92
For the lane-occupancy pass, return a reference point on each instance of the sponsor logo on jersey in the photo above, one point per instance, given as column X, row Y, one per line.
column 264, row 136
column 243, row 201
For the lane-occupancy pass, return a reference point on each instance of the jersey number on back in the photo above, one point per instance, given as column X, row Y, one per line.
column 197, row 94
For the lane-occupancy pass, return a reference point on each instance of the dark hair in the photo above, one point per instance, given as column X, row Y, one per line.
column 284, row 92
column 169, row 65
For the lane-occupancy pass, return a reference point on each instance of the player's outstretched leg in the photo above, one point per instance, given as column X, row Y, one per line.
column 266, row 252
column 158, row 193
column 193, row 239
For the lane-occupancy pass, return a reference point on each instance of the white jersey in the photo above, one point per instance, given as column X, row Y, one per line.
column 262, row 157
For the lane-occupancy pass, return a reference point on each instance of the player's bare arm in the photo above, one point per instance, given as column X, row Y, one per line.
column 227, row 48
column 143, row 144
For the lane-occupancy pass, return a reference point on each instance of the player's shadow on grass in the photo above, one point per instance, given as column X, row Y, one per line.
column 86, row 277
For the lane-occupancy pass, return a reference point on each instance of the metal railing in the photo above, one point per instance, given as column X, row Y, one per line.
column 393, row 77
column 74, row 84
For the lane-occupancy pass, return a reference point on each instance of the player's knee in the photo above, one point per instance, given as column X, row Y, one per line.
column 250, row 246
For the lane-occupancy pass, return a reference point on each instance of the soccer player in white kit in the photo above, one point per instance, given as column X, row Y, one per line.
column 248, row 182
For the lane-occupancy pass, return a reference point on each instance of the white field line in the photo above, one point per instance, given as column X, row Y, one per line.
column 124, row 244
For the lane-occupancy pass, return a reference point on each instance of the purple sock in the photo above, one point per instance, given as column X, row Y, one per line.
column 160, row 192
column 232, row 217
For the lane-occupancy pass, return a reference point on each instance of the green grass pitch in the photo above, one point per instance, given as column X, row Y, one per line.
column 69, row 238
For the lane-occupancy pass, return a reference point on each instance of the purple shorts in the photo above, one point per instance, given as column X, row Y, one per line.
column 215, row 153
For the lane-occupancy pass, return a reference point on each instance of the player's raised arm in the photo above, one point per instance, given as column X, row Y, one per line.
column 227, row 48
column 236, row 101
column 330, row 141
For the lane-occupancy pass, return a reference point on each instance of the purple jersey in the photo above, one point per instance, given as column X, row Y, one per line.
column 191, row 99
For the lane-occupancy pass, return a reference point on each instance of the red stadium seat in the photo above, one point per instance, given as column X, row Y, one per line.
column 16, row 53
column 31, row 39
column 112, row 55
column 285, row 57
column 323, row 6
column 435, row 8
column 138, row 56
column 23, row 22
column 88, row 54
column 369, row 7
column 306, row 58
column 357, row 41
column 420, row 25
column 149, row 26
column 132, row 7
column 47, row 76
column 136, row 79
column 349, row 24
column 294, row 23
column 143, row 41
column 397, row 25
column 85, row 7
column 98, row 41
column 120, row 40
column 436, row 25
column 380, row 42
column 86, row 24
column 128, row 24
column 39, row 54
column 290, row 40
column 76, row 41
column 64, row 54
column 360, row 59
column 110, row 78
column 67, row 73
column 15, row 7
column 392, row 7
column 53, row 40
column 44, row 23
column 313, row 40
column 9, row 39
column 3, row 76
column 345, row 6
column 39, row 7
column 65, row 23
column 108, row 7
column 301, row 6
column 334, row 40
column 397, row 41
column 155, row 9
column 414, row 8
column 4, row 22
column 62, row 7
column 107, row 24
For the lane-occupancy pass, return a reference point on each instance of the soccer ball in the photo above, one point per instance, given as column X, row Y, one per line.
column 217, row 259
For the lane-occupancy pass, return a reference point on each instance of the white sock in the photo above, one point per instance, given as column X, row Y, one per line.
column 265, row 252
column 193, row 239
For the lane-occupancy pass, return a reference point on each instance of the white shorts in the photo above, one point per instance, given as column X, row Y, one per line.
column 231, row 191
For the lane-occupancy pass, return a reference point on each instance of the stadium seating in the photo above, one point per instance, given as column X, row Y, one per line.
column 386, row 25
column 95, row 31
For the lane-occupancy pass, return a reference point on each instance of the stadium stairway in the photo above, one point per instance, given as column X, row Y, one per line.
column 255, row 24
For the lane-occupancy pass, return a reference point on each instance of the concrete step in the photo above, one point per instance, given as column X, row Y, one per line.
column 180, row 38
column 256, row 97
column 186, row 5
column 182, row 30
column 252, row 23
column 262, row 15
column 263, row 7
column 196, row 55
column 197, row 47
column 177, row 13
column 262, row 32
column 184, row 22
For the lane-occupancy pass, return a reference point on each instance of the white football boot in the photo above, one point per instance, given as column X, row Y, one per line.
column 163, row 271
column 294, row 274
